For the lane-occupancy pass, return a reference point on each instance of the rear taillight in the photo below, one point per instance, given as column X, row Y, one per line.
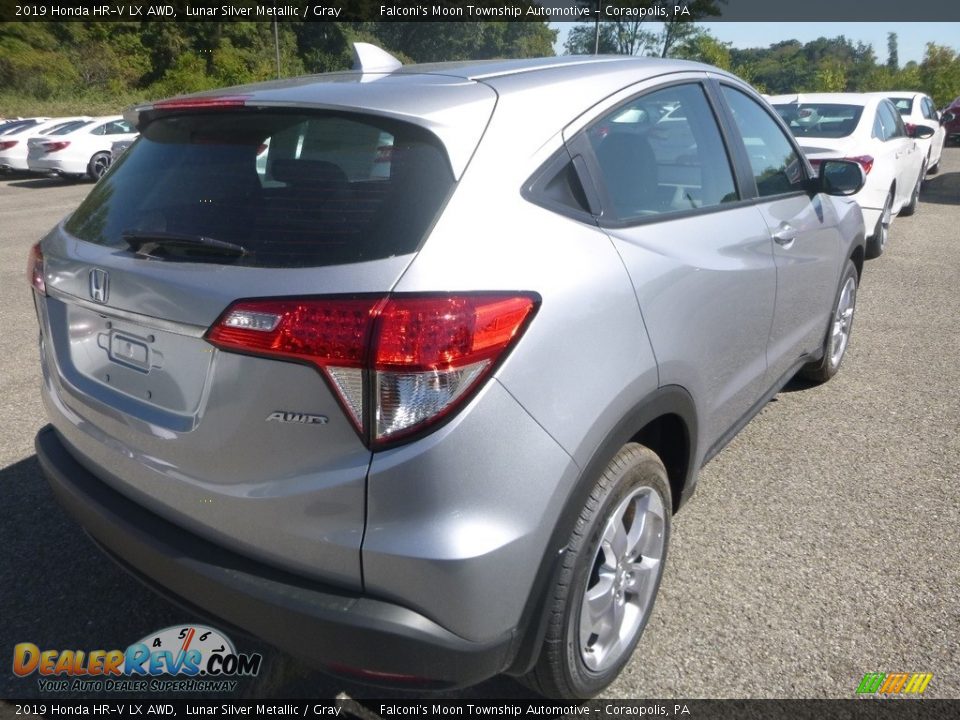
column 35, row 269
column 911, row 128
column 53, row 146
column 398, row 364
column 865, row 161
column 7, row 144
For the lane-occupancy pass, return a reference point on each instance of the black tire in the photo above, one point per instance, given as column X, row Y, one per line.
column 911, row 207
column 98, row 165
column 877, row 242
column 829, row 365
column 635, row 480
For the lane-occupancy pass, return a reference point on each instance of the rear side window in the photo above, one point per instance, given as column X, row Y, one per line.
column 662, row 153
column 292, row 189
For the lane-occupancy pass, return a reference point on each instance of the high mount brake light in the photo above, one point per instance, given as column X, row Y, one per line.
column 398, row 364
column 197, row 103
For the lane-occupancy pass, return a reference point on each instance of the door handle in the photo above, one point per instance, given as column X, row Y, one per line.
column 784, row 235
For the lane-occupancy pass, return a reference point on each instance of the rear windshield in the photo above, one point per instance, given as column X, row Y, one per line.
column 904, row 105
column 293, row 189
column 824, row 120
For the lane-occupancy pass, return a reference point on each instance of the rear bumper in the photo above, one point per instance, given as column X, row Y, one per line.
column 322, row 625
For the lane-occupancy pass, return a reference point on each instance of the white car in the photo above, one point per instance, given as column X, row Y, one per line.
column 13, row 145
column 867, row 128
column 84, row 151
column 917, row 108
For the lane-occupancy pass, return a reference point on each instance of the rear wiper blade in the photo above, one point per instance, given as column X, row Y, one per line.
column 148, row 242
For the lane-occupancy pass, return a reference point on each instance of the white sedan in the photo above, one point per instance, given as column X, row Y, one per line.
column 867, row 128
column 84, row 151
column 918, row 109
column 13, row 144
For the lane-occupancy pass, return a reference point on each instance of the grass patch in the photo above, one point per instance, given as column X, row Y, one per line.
column 95, row 104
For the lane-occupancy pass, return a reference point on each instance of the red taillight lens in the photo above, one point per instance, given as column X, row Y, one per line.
column 911, row 128
column 35, row 269
column 418, row 357
column 54, row 146
column 865, row 161
column 7, row 144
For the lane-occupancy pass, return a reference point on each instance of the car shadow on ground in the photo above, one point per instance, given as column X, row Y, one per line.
column 57, row 591
column 39, row 182
column 943, row 189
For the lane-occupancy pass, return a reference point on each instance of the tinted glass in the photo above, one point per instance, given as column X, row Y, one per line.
column 17, row 126
column 904, row 105
column 70, row 127
column 662, row 153
column 293, row 189
column 775, row 163
column 826, row 120
column 890, row 121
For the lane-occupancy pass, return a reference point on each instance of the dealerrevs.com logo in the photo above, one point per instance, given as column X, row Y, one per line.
column 182, row 658
column 897, row 684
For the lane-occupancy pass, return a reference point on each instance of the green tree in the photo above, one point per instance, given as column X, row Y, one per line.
column 940, row 73
column 893, row 59
column 703, row 47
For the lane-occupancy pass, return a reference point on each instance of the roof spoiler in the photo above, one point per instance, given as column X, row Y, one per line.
column 369, row 58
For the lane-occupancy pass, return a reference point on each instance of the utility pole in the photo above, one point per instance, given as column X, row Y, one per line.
column 276, row 40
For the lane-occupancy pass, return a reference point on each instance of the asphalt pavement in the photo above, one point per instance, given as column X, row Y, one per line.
column 821, row 544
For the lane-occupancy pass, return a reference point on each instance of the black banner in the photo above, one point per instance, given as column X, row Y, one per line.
column 345, row 707
column 477, row 10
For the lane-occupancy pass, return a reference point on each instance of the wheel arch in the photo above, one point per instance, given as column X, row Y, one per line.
column 666, row 422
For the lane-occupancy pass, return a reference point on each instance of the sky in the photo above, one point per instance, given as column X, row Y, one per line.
column 911, row 37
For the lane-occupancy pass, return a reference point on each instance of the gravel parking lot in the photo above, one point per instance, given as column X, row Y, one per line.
column 821, row 544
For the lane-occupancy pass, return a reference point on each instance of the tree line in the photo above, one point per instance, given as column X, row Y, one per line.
column 122, row 62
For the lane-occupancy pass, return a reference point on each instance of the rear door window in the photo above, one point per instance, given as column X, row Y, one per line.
column 662, row 153
column 292, row 189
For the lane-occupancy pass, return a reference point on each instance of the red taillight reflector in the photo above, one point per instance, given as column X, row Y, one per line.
column 437, row 333
column 7, row 144
column 419, row 356
column 324, row 332
column 53, row 146
column 188, row 103
column 35, row 269
column 865, row 161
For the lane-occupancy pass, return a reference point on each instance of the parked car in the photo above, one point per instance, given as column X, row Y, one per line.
column 917, row 108
column 866, row 128
column 15, row 125
column 82, row 152
column 120, row 147
column 13, row 145
column 951, row 121
column 415, row 399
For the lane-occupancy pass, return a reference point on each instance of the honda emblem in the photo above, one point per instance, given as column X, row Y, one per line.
column 99, row 285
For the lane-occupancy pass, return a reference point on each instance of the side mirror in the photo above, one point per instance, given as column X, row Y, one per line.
column 841, row 177
column 946, row 117
column 920, row 132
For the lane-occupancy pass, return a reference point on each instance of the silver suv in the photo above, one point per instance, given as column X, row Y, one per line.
column 406, row 372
